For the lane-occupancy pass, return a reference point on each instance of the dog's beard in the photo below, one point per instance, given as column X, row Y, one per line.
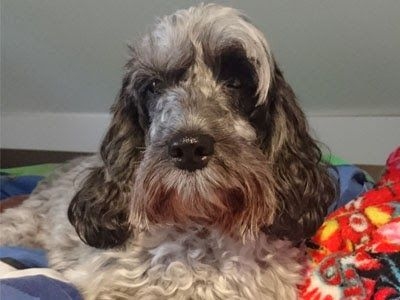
column 234, row 193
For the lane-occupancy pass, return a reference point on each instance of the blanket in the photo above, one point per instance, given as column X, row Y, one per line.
column 325, row 252
column 356, row 252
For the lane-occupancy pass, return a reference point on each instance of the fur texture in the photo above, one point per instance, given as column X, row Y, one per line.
column 137, row 226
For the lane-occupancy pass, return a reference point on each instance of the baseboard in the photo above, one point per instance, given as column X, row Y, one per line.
column 11, row 158
column 361, row 140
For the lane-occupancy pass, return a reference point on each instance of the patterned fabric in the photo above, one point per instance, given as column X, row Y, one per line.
column 356, row 252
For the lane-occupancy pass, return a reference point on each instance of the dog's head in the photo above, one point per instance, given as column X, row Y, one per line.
column 207, row 131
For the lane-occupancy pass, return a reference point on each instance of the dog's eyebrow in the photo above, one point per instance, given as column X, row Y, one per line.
column 176, row 64
column 171, row 75
column 169, row 61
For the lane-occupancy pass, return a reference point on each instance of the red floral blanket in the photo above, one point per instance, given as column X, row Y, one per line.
column 356, row 252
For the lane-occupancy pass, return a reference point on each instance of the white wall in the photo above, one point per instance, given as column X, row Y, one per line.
column 362, row 140
column 65, row 57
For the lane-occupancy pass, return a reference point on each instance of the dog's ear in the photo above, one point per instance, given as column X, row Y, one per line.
column 100, row 210
column 303, row 188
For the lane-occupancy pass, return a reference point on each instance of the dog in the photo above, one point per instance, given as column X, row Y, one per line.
column 206, row 181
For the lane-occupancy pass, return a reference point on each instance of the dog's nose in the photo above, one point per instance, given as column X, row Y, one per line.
column 191, row 152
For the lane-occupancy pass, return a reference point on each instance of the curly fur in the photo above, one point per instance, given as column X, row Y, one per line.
column 127, row 223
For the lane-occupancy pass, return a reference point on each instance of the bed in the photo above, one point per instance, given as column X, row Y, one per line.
column 354, row 255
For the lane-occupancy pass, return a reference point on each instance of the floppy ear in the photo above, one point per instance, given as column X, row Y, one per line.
column 303, row 188
column 100, row 210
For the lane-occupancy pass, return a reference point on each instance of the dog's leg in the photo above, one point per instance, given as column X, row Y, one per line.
column 21, row 225
column 37, row 218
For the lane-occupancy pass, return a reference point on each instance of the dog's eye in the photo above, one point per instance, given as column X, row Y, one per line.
column 233, row 83
column 154, row 87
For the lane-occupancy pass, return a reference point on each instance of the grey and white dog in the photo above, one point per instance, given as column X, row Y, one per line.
column 206, row 179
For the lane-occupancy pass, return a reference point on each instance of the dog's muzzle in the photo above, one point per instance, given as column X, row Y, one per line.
column 191, row 152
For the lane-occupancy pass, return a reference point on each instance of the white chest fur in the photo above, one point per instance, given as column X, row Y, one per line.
column 167, row 263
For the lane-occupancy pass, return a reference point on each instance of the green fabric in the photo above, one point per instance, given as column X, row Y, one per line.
column 39, row 170
column 334, row 160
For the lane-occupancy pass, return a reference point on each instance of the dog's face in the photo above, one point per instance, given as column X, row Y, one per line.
column 205, row 131
column 196, row 80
